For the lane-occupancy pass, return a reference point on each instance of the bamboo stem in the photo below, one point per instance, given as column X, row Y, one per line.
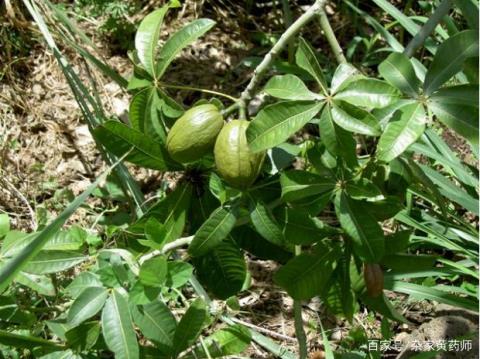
column 331, row 38
column 428, row 27
column 283, row 41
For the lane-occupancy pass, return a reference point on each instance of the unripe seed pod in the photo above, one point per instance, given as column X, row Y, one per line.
column 194, row 133
column 237, row 165
column 373, row 276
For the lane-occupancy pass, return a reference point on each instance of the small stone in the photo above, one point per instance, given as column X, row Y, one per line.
column 336, row 335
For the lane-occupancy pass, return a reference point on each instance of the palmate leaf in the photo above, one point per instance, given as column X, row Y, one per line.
column 403, row 129
column 179, row 40
column 222, row 271
column 117, row 327
column 361, row 227
column 157, row 323
column 89, row 303
column 354, row 119
column 305, row 276
column 371, row 93
column 212, row 232
column 275, row 123
column 306, row 58
column 119, row 139
column 290, row 87
column 449, row 59
column 399, row 72
column 457, row 108
column 190, row 326
column 146, row 38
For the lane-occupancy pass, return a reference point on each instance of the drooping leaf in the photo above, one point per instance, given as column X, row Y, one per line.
column 354, row 119
column 403, row 129
column 212, row 232
column 117, row 327
column 361, row 227
column 307, row 60
column 87, row 304
column 399, row 72
column 449, row 59
column 182, row 38
column 275, row 123
column 265, row 223
column 54, row 261
column 304, row 276
column 157, row 323
column 457, row 108
column 120, row 139
column 290, row 87
column 190, row 326
column 222, row 271
column 146, row 38
column 371, row 93
column 297, row 185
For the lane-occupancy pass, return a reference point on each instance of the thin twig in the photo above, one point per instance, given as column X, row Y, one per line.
column 265, row 331
column 331, row 38
column 428, row 27
column 267, row 61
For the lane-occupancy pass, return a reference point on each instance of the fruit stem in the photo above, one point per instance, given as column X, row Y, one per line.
column 190, row 88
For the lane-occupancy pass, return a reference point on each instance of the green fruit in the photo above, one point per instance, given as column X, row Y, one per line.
column 238, row 166
column 194, row 134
